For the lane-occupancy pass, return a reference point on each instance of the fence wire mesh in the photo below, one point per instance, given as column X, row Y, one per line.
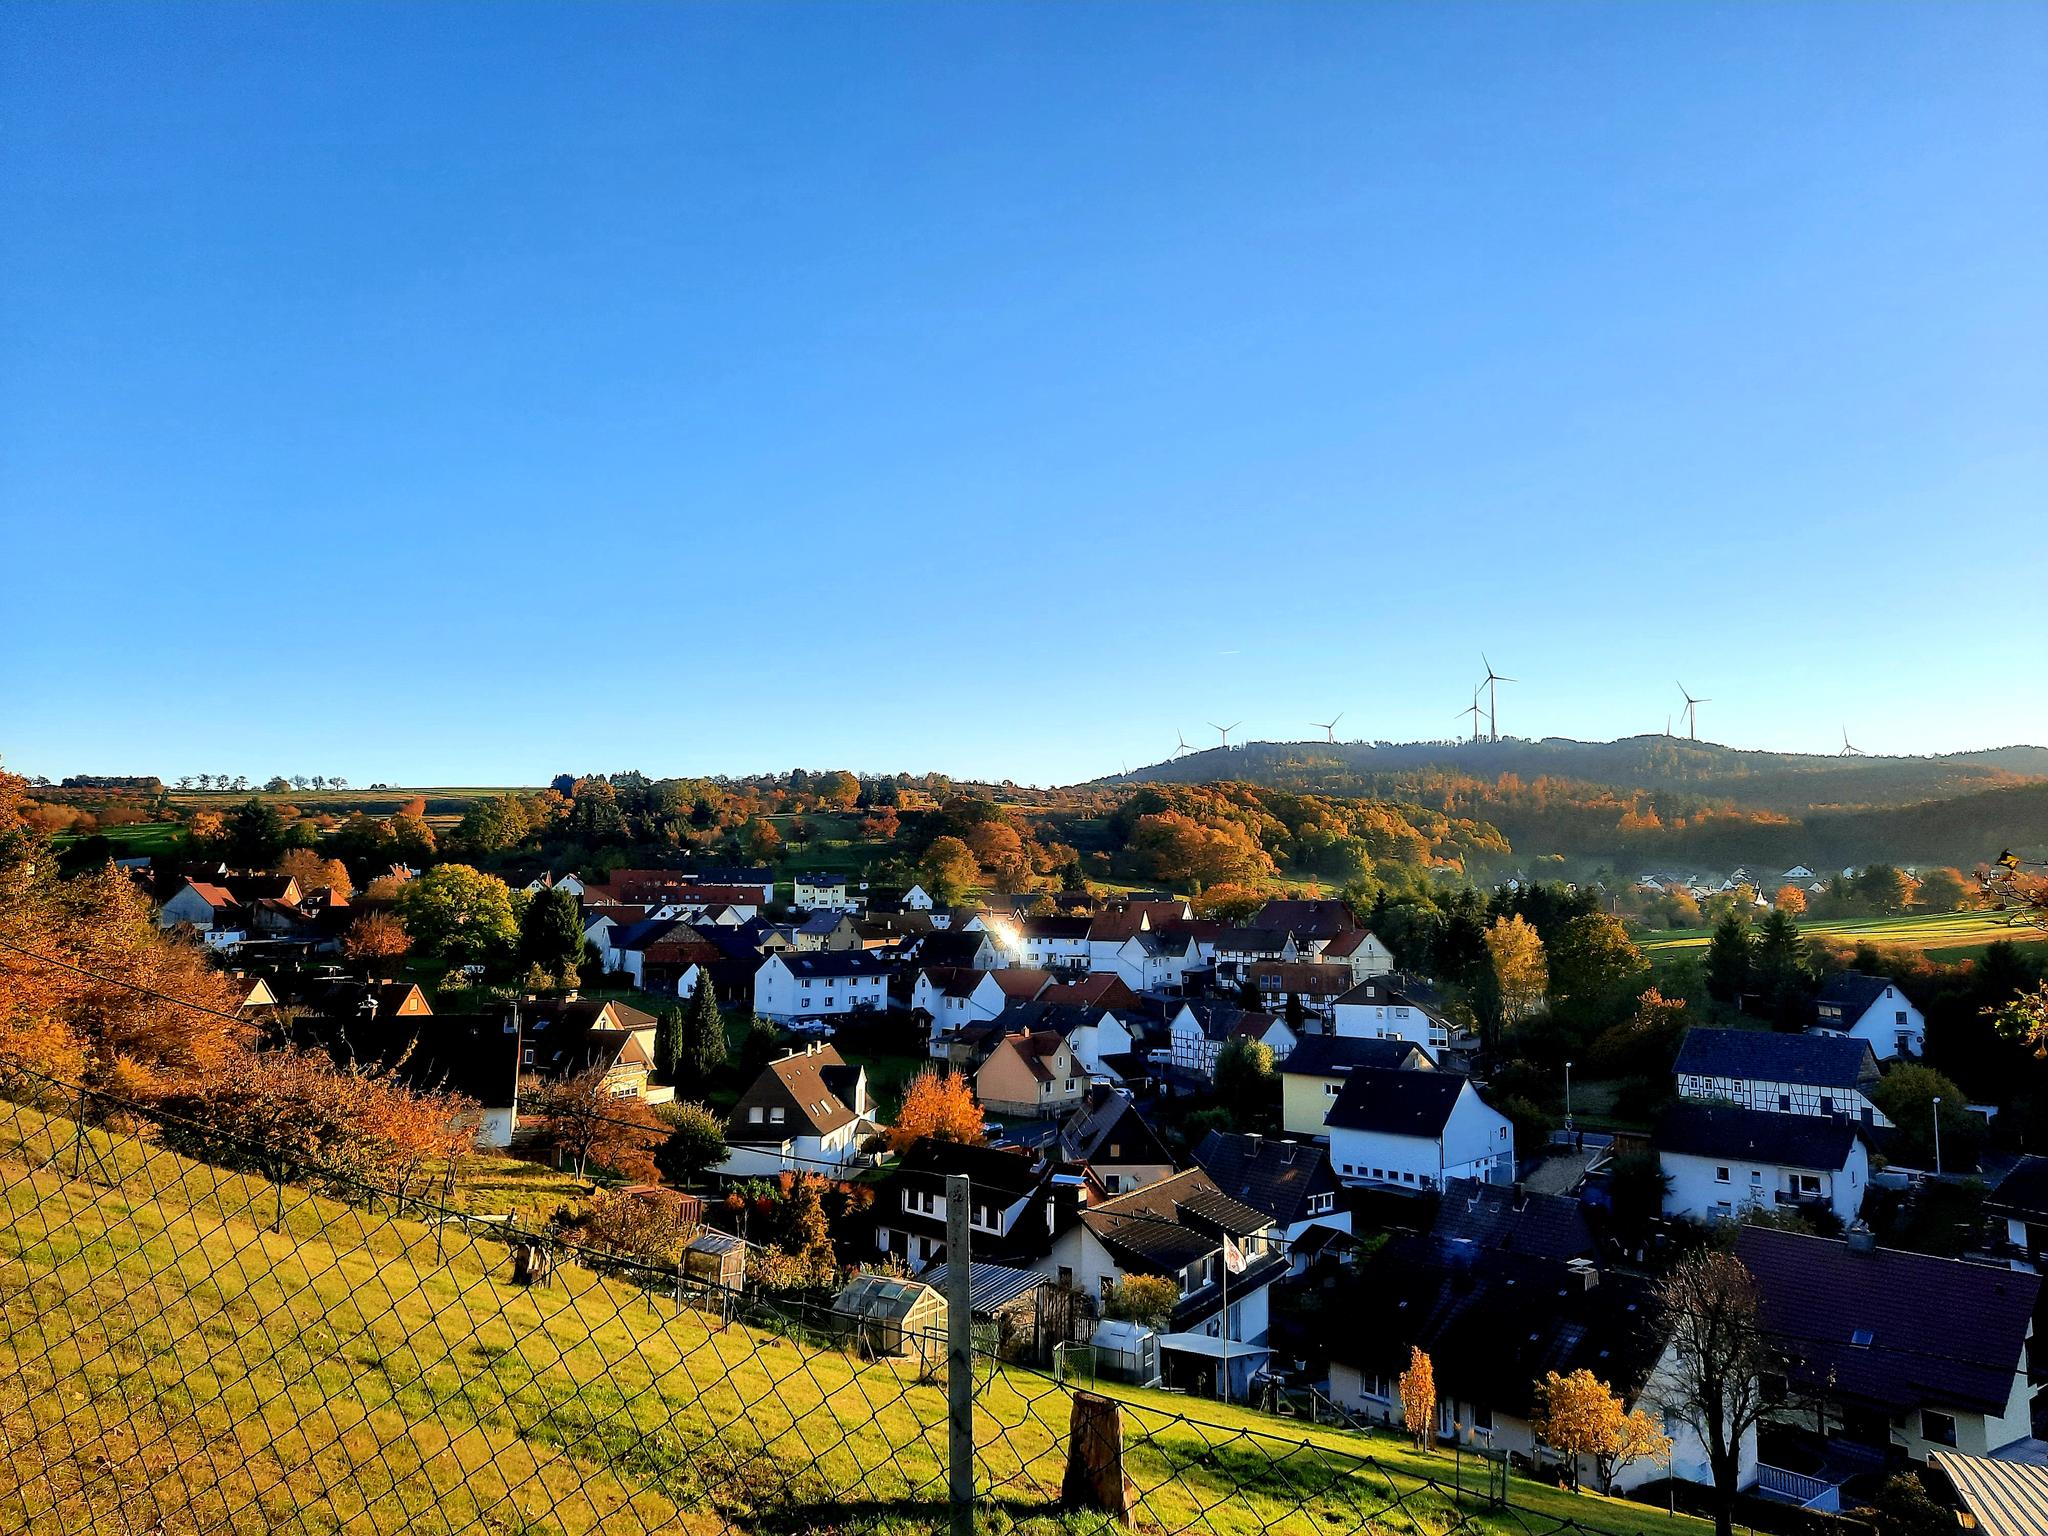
column 192, row 1347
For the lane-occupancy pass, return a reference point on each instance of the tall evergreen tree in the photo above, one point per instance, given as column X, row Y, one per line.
column 1729, row 961
column 704, row 1033
column 668, row 1041
column 551, row 931
column 1781, row 969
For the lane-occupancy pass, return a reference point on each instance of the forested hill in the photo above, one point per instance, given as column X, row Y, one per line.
column 1704, row 773
column 1655, row 800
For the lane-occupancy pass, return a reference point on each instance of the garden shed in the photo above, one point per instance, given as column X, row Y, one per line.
column 717, row 1259
column 889, row 1316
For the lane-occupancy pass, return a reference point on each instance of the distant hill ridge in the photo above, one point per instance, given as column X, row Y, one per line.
column 1792, row 783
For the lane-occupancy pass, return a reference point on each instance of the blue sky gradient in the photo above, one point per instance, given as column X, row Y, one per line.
column 460, row 394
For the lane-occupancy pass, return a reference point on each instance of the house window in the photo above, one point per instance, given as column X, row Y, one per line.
column 775, row 1115
column 1482, row 1418
column 1756, row 1178
column 754, row 1115
column 1807, row 1183
column 1319, row 1205
column 528, row 1056
column 1720, row 1175
column 1827, row 1105
column 1937, row 1427
column 1784, row 1103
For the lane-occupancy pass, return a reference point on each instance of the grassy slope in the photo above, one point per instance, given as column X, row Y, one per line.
column 165, row 1357
column 1946, row 935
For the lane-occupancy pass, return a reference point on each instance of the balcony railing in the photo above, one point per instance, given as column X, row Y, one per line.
column 1794, row 1487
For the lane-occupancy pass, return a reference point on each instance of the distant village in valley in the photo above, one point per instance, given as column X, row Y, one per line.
column 1264, row 1095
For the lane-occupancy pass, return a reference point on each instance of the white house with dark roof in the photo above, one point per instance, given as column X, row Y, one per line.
column 1177, row 1228
column 1198, row 1031
column 805, row 1110
column 824, row 984
column 1809, row 1074
column 1316, row 1070
column 1291, row 1181
column 1120, row 1148
column 1414, row 1130
column 1389, row 1006
column 1722, row 1161
column 1871, row 1009
column 813, row 892
column 1909, row 1353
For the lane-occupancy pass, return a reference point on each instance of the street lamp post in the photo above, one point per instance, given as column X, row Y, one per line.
column 1568, row 1096
column 1937, row 1135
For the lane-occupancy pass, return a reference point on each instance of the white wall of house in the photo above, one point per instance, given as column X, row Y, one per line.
column 1708, row 1187
column 1106, row 1036
column 1478, row 1143
column 1390, row 1021
column 799, row 1153
column 1688, row 1450
column 1891, row 1026
column 188, row 906
column 779, row 994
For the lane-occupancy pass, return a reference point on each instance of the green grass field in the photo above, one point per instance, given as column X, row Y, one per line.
column 170, row 1363
column 1943, row 935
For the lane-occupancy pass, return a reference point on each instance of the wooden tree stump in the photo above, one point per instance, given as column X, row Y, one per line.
column 1095, row 1458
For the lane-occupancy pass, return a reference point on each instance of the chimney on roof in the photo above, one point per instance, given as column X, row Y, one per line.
column 1861, row 1239
column 1583, row 1274
column 1521, row 1194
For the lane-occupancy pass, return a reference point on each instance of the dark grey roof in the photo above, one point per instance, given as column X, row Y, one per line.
column 1014, row 1174
column 1755, row 1135
column 1499, row 1219
column 1219, row 1021
column 1817, row 1061
column 1392, row 991
column 1849, row 994
column 1054, row 927
column 1168, row 1225
column 1273, row 1176
column 988, row 1285
column 1493, row 1323
column 1395, row 1103
column 2024, row 1189
column 1943, row 1332
column 1108, row 1118
column 1328, row 1055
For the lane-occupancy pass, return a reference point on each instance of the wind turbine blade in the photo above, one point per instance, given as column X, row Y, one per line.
column 1333, row 723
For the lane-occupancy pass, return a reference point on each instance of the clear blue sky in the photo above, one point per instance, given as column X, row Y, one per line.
column 463, row 394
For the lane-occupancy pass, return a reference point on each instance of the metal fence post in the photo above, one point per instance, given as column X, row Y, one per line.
column 959, row 1354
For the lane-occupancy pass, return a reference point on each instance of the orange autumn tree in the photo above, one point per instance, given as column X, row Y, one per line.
column 1418, row 1396
column 375, row 938
column 1790, row 900
column 940, row 1105
column 1579, row 1415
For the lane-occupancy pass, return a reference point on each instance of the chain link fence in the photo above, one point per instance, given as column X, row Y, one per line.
column 188, row 1347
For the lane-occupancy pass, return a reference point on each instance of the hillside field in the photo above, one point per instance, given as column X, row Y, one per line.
column 169, row 1362
column 1943, row 935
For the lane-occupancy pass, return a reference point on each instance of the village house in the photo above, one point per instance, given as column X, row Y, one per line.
column 974, row 948
column 1414, row 1130
column 1871, row 1009
column 1362, row 952
column 1011, row 1219
column 1155, row 961
column 953, row 997
column 1315, row 922
column 1291, row 1181
column 1313, row 988
column 1239, row 949
column 822, row 985
column 1198, row 1031
column 1117, row 1144
column 816, row 892
column 1179, row 1228
column 1032, row 1074
column 1316, row 1070
column 1493, row 1322
column 1888, row 1351
column 1096, row 1036
column 828, row 928
column 1503, row 1218
column 1722, row 1161
column 1811, row 1074
column 1109, row 929
column 1057, row 943
column 2020, row 1203
column 806, row 1112
column 1389, row 1006
column 567, row 1037
column 209, row 908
